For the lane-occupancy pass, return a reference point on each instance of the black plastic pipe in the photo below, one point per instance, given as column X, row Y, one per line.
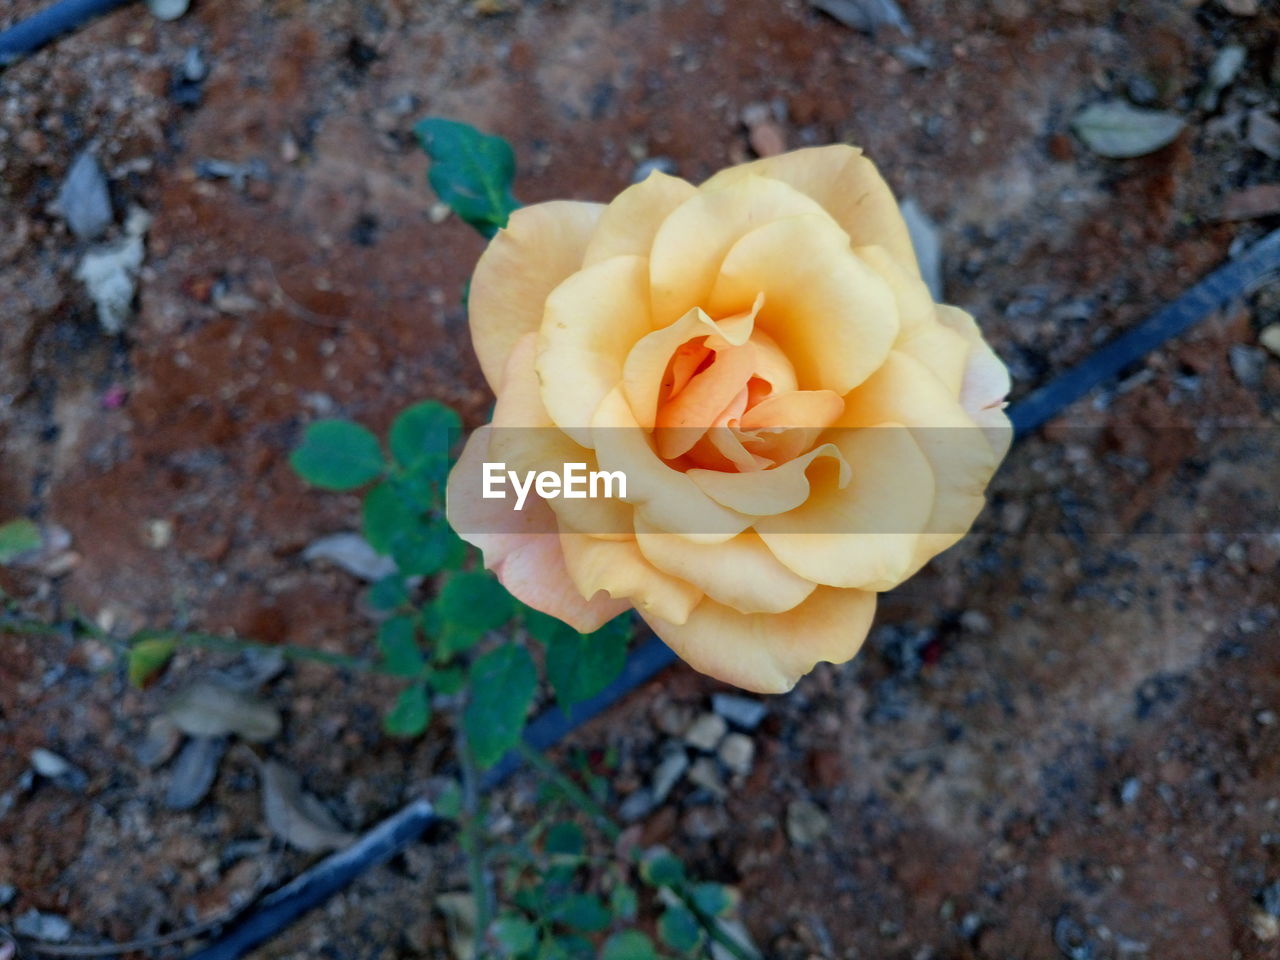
column 29, row 35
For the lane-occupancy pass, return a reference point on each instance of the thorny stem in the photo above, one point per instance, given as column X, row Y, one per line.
column 588, row 805
column 472, row 843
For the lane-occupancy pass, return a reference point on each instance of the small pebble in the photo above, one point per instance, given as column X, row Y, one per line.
column 651, row 165
column 705, row 774
column 737, row 752
column 636, row 805
column 704, row 822
column 1129, row 790
column 7, row 892
column 806, row 823
column 1270, row 338
column 61, row 771
column 83, row 198
column 43, row 926
column 740, row 711
column 668, row 773
column 707, row 732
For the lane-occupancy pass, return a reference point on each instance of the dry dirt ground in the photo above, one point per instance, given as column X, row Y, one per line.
column 1062, row 740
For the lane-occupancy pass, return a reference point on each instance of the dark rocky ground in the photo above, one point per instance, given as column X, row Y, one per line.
column 1060, row 741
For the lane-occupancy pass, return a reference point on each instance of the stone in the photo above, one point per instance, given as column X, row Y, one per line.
column 806, row 823
column 668, row 773
column 737, row 752
column 706, row 732
column 740, row 711
column 1270, row 338
column 83, row 198
column 705, row 774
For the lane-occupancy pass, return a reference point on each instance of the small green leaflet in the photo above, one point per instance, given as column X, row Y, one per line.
column 679, row 929
column 581, row 665
column 565, row 839
column 628, row 945
column 147, row 657
column 17, row 537
column 398, row 644
column 338, row 455
column 421, row 437
column 470, row 171
column 410, row 713
column 396, row 525
column 581, row 911
column 514, row 934
column 502, row 687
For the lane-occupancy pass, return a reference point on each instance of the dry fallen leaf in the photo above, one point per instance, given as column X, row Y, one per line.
column 459, row 910
column 194, row 772
column 295, row 816
column 352, row 553
column 865, row 15
column 1119, row 130
column 211, row 710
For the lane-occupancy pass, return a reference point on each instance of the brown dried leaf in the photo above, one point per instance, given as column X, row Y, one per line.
column 295, row 816
column 211, row 710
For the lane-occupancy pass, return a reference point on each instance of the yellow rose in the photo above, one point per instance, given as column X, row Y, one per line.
column 800, row 426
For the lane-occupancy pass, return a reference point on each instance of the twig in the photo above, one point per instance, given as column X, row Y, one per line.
column 472, row 843
column 584, row 801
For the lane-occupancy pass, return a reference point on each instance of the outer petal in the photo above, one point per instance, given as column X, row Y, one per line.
column 525, row 261
column 847, row 185
column 986, row 382
column 741, row 573
column 530, row 564
column 833, row 316
column 619, row 569
column 863, row 535
column 694, row 239
column 922, row 335
column 959, row 455
column 591, row 322
column 523, row 437
column 629, row 223
column 769, row 652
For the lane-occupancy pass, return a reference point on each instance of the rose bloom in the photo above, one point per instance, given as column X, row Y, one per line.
column 800, row 425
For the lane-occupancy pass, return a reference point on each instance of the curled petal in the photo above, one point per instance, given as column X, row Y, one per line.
column 863, row 534
column 619, row 569
column 986, row 382
column 770, row 492
column 629, row 223
column 527, row 559
column 848, row 187
column 590, row 324
column 526, row 260
column 769, row 652
column 833, row 317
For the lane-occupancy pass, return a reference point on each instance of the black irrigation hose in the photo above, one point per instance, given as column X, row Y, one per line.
column 279, row 909
column 29, row 35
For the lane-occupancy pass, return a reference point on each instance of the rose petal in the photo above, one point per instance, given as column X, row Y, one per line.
column 664, row 497
column 591, row 322
column 922, row 334
column 833, row 317
column 769, row 492
column 864, row 534
column 741, row 573
column 848, row 187
column 683, row 420
column 986, row 382
column 693, row 240
column 525, row 261
column 629, row 223
column 769, row 652
column 620, row 569
column 523, row 437
column 527, row 560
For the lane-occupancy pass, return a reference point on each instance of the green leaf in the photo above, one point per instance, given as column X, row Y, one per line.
column 679, row 929
column 568, row 947
column 148, row 657
column 337, row 455
column 470, row 171
column 711, row 898
column 396, row 525
column 628, row 945
column 580, row 666
column 389, row 593
column 662, row 870
column 449, row 803
column 581, row 911
column 474, row 600
column 514, row 934
column 17, row 537
column 448, row 679
column 624, row 903
column 409, row 715
column 543, row 627
column 565, row 839
column 502, row 687
column 398, row 644
column 421, row 437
